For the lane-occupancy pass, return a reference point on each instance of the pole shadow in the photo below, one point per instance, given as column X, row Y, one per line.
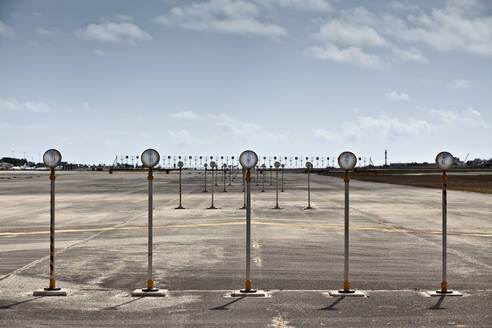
column 332, row 305
column 8, row 306
column 116, row 307
column 437, row 306
column 224, row 307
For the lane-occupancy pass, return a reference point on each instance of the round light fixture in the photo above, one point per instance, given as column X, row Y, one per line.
column 150, row 158
column 180, row 164
column 444, row 160
column 213, row 164
column 277, row 164
column 347, row 160
column 309, row 165
column 248, row 159
column 52, row 158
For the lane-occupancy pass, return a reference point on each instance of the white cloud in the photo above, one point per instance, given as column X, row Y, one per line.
column 99, row 52
column 353, row 55
column 354, row 35
column 448, row 29
column 185, row 115
column 394, row 95
column 6, row 30
column 460, row 84
column 32, row 106
column 468, row 117
column 410, row 54
column 124, row 17
column 224, row 16
column 185, row 138
column 245, row 130
column 45, row 32
column 113, row 32
column 301, row 5
column 383, row 127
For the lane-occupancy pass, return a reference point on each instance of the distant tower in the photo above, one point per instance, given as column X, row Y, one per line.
column 385, row 157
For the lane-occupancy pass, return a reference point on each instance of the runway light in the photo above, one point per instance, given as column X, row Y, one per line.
column 248, row 160
column 213, row 165
column 309, row 166
column 277, row 165
column 444, row 160
column 347, row 160
column 180, row 206
column 52, row 158
column 150, row 158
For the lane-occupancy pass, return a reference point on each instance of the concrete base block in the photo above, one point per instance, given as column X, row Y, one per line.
column 152, row 293
column 352, row 293
column 446, row 294
column 255, row 293
column 50, row 292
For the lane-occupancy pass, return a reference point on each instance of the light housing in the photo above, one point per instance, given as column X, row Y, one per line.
column 347, row 160
column 444, row 160
column 248, row 159
column 52, row 158
column 150, row 158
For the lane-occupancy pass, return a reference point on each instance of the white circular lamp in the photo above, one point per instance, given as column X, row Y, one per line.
column 52, row 158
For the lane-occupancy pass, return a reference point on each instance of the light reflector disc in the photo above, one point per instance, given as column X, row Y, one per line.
column 248, row 159
column 347, row 160
column 52, row 158
column 150, row 158
column 444, row 160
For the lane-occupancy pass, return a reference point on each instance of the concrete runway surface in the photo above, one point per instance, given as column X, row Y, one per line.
column 199, row 254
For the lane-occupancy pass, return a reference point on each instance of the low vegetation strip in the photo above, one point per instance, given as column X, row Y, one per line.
column 465, row 182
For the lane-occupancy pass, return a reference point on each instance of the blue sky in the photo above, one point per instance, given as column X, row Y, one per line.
column 97, row 79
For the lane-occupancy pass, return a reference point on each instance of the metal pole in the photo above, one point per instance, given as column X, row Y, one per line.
column 257, row 176
column 282, row 180
column 309, row 189
column 205, row 190
column 346, row 283
column 271, row 183
column 216, row 177
column 150, row 282
column 444, row 283
column 263, row 186
column 212, row 206
column 244, row 190
column 248, row 284
column 52, row 284
column 276, row 187
column 224, row 169
column 230, row 176
column 180, row 192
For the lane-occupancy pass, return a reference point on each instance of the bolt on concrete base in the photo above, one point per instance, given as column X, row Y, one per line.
column 50, row 292
column 446, row 293
column 350, row 293
column 250, row 293
column 151, row 293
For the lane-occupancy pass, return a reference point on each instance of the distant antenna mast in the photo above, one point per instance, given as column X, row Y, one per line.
column 386, row 158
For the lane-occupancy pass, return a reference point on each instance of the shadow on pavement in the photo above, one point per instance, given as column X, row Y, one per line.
column 124, row 303
column 224, row 307
column 332, row 305
column 437, row 306
column 8, row 306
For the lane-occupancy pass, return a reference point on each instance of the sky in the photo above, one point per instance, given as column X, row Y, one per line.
column 96, row 79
